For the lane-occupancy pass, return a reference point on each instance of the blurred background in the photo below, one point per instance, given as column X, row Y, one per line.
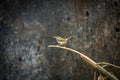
column 27, row 28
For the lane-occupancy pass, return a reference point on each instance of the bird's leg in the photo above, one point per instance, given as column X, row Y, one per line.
column 65, row 44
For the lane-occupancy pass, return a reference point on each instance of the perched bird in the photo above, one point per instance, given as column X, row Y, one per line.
column 61, row 41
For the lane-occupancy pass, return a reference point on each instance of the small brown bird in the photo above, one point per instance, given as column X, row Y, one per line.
column 61, row 41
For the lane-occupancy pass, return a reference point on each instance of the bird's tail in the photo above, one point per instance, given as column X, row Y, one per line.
column 69, row 37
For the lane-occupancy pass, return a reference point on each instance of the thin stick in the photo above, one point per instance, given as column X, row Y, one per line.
column 94, row 75
column 108, row 64
column 87, row 59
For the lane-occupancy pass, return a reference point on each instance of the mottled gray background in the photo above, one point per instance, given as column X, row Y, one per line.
column 27, row 27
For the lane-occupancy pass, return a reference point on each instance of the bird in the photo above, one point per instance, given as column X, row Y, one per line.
column 61, row 41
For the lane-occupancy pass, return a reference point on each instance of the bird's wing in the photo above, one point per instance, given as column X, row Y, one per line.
column 61, row 39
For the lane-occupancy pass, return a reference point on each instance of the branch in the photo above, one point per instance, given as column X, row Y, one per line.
column 88, row 61
column 108, row 64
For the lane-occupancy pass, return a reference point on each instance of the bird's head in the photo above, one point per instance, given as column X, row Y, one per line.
column 56, row 37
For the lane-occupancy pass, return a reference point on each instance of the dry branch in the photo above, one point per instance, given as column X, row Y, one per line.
column 89, row 61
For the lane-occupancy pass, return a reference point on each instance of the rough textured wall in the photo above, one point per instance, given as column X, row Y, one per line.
column 27, row 27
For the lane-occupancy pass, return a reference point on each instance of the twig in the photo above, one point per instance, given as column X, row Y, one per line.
column 89, row 61
column 108, row 64
column 94, row 75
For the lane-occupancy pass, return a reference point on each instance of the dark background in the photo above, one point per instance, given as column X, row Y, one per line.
column 27, row 27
